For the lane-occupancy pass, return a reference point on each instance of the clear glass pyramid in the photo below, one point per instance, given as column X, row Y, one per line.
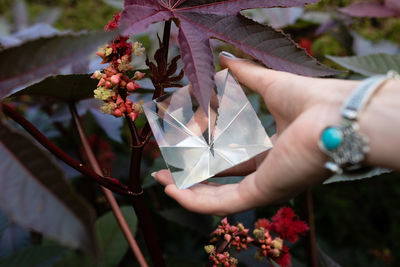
column 196, row 146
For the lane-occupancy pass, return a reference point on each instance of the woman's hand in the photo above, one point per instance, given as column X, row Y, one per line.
column 302, row 108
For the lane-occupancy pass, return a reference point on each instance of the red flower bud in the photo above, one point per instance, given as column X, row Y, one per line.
column 139, row 75
column 101, row 82
column 115, row 79
column 133, row 115
column 117, row 113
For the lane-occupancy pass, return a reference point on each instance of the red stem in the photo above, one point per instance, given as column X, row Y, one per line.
column 109, row 183
column 308, row 213
column 138, row 201
column 108, row 194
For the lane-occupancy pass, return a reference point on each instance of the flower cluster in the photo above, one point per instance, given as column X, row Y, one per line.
column 112, row 25
column 115, row 83
column 236, row 236
column 269, row 237
column 270, row 247
column 220, row 259
column 287, row 225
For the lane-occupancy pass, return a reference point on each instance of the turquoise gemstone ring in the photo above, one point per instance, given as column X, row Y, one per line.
column 331, row 138
column 344, row 145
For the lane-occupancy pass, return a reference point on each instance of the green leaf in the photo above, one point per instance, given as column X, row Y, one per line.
column 74, row 258
column 73, row 87
column 33, row 256
column 371, row 174
column 45, row 56
column 35, row 194
column 112, row 242
column 369, row 65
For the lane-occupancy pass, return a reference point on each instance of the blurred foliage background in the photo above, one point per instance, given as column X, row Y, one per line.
column 356, row 222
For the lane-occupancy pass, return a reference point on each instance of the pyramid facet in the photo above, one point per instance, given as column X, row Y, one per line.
column 196, row 146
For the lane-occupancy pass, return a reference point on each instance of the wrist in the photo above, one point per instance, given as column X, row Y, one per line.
column 365, row 135
column 380, row 121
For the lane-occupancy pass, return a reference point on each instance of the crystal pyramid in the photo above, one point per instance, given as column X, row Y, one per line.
column 196, row 146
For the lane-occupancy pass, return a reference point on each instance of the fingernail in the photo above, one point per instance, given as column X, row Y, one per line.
column 153, row 174
column 227, row 54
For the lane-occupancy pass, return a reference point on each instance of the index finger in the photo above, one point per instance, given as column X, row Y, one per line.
column 250, row 74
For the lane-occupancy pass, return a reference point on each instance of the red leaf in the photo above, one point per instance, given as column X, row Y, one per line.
column 393, row 5
column 373, row 10
column 198, row 62
column 200, row 20
column 232, row 7
column 272, row 47
column 139, row 14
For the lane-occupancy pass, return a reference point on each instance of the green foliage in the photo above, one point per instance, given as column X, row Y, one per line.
column 85, row 14
column 112, row 242
column 359, row 217
column 34, row 256
column 329, row 5
column 371, row 64
column 76, row 15
column 72, row 87
column 328, row 45
column 377, row 29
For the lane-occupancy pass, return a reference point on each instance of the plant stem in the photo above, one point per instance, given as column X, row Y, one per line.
column 166, row 37
column 108, row 194
column 308, row 213
column 109, row 183
column 138, row 200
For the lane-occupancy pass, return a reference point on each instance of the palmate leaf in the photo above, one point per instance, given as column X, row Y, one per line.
column 45, row 56
column 200, row 20
column 35, row 194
